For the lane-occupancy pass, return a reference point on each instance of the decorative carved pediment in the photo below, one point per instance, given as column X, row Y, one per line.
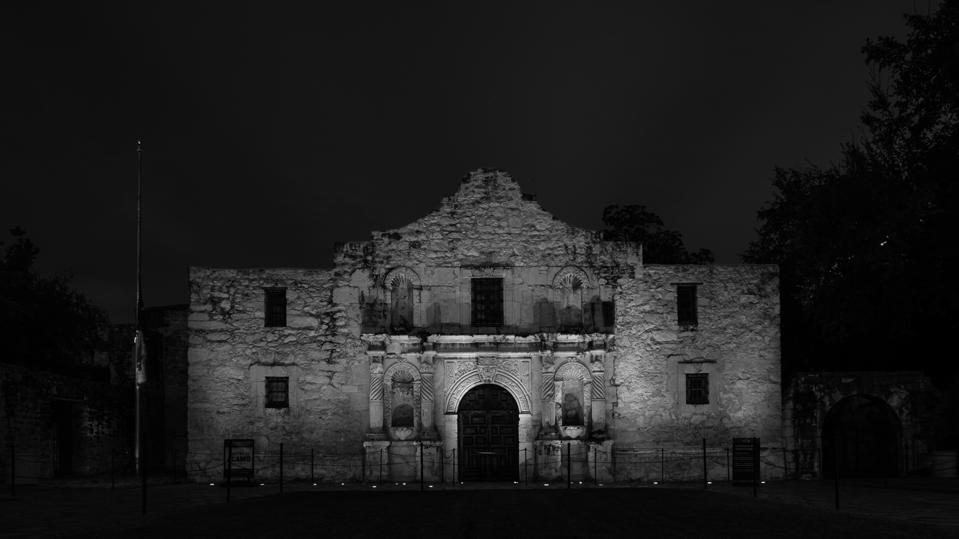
column 510, row 373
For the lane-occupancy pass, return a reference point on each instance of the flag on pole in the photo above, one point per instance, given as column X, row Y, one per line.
column 140, row 357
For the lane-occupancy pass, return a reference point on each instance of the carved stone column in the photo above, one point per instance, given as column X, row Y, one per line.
column 598, row 397
column 426, row 396
column 549, row 405
column 376, row 398
column 426, row 409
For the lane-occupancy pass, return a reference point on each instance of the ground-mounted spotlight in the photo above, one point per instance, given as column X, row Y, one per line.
column 762, row 482
column 709, row 482
column 374, row 486
column 545, row 484
column 314, row 484
column 342, row 484
column 397, row 484
column 212, row 484
column 580, row 482
column 262, row 484
column 431, row 486
column 655, row 482
column 404, row 484
column 515, row 482
column 600, row 484
column 461, row 482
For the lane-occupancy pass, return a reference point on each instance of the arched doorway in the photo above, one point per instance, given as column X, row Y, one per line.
column 488, row 425
column 861, row 435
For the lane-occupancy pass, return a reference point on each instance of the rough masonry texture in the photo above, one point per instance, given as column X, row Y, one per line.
column 487, row 340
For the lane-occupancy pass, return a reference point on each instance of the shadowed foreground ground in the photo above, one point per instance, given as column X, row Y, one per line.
column 610, row 512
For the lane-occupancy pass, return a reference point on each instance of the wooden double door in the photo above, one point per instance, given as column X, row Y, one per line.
column 488, row 435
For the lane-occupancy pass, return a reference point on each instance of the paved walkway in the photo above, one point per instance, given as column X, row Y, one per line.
column 70, row 507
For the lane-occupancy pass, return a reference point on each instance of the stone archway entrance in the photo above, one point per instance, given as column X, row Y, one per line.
column 861, row 435
column 488, row 427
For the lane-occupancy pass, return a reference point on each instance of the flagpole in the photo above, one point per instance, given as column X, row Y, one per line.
column 137, row 345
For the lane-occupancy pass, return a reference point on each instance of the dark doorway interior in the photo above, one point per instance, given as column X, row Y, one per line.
column 64, row 427
column 488, row 435
column 861, row 435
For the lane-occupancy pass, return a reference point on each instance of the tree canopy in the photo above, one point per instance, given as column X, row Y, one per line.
column 867, row 245
column 660, row 245
column 43, row 322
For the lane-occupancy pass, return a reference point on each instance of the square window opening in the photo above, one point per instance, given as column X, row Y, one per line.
column 277, row 392
column 686, row 308
column 697, row 388
column 487, row 305
column 274, row 307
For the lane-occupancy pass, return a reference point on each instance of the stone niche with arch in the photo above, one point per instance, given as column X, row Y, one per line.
column 401, row 432
column 402, row 286
column 861, row 423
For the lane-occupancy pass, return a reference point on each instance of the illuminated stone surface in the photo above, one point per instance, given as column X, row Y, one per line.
column 401, row 303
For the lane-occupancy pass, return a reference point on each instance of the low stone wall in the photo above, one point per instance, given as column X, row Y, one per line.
column 41, row 409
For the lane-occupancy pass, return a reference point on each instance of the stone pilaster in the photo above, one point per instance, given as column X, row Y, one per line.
column 426, row 409
column 376, row 398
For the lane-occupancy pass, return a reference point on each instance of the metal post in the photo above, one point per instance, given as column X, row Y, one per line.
column 281, row 467
column 381, row 465
column 569, row 465
column 595, row 466
column 785, row 464
column 705, row 470
column 729, row 476
column 13, row 469
column 662, row 465
column 312, row 474
column 836, row 470
column 453, row 463
column 229, row 470
column 755, row 466
column 422, row 449
column 143, row 474
column 138, row 367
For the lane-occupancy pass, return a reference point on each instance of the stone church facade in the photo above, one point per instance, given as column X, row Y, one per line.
column 485, row 341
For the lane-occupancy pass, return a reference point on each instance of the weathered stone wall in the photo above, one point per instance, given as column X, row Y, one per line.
column 488, row 229
column 231, row 353
column 910, row 396
column 167, row 344
column 736, row 342
column 396, row 298
column 95, row 421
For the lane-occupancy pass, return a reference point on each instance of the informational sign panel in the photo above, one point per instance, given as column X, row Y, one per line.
column 745, row 459
column 238, row 459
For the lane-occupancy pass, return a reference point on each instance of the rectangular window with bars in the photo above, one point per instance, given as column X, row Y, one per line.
column 277, row 392
column 487, row 303
column 697, row 388
column 686, row 314
column 274, row 307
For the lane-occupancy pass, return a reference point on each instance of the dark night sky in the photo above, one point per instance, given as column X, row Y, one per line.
column 270, row 133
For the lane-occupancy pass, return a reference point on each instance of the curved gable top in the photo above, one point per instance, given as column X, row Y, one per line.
column 488, row 222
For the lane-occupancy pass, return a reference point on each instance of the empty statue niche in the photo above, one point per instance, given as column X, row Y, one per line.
column 402, row 401
column 401, row 285
column 572, row 399
column 571, row 284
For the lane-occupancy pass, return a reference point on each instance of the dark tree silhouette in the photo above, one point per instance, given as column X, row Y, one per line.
column 660, row 245
column 44, row 323
column 867, row 246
